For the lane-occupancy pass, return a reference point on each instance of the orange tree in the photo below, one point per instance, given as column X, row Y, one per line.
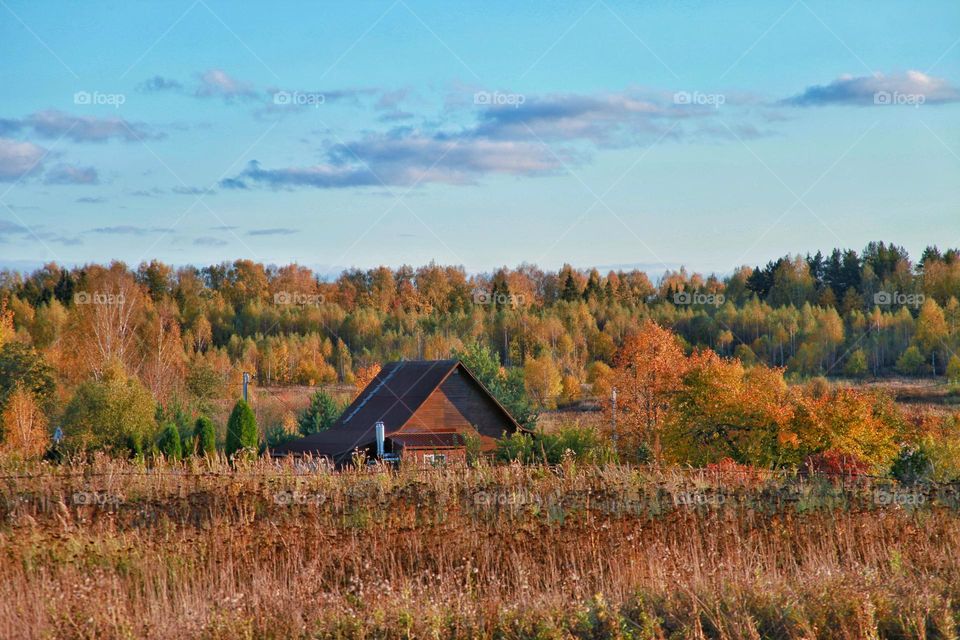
column 648, row 371
column 724, row 410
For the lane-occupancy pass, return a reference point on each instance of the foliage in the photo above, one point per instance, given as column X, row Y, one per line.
column 543, row 381
column 115, row 413
column 205, row 437
column 169, row 443
column 856, row 365
column 953, row 369
column 507, row 386
column 24, row 426
column 911, row 362
column 912, row 465
column 22, row 366
column 647, row 374
column 320, row 415
column 585, row 444
column 242, row 432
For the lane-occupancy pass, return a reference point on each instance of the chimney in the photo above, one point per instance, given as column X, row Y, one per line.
column 380, row 437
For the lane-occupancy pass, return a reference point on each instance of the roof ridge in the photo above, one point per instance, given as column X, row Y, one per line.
column 373, row 392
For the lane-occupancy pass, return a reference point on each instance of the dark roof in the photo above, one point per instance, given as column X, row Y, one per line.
column 427, row 440
column 391, row 397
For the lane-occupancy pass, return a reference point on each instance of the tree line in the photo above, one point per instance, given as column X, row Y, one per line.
column 177, row 340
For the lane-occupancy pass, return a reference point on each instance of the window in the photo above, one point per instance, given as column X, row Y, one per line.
column 434, row 458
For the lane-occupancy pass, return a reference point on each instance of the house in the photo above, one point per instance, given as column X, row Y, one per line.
column 421, row 412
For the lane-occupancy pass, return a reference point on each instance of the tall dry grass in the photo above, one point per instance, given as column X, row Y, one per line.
column 111, row 550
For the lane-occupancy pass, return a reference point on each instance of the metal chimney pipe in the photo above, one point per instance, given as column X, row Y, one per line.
column 381, row 435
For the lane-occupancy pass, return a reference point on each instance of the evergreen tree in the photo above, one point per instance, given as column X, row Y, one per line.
column 169, row 443
column 320, row 415
column 241, row 429
column 205, row 437
column 570, row 290
column 592, row 290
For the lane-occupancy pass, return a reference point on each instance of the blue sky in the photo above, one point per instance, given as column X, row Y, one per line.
column 355, row 134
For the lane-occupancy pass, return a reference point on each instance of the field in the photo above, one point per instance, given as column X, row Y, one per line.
column 111, row 550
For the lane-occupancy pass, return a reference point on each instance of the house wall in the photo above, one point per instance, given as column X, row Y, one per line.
column 460, row 405
column 416, row 456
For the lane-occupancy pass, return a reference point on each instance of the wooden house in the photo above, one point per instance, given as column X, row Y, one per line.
column 421, row 412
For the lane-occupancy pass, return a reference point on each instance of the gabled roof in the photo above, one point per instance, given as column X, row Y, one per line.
column 392, row 397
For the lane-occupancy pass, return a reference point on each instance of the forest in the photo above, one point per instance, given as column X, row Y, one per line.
column 114, row 354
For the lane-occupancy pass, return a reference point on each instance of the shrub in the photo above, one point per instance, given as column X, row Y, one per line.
column 912, row 465
column 205, row 437
column 584, row 443
column 242, row 429
column 835, row 463
column 953, row 369
column 169, row 444
column 911, row 362
column 109, row 414
column 856, row 366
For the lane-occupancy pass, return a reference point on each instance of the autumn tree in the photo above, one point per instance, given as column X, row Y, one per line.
column 364, row 376
column 24, row 425
column 115, row 413
column 105, row 320
column 724, row 410
column 647, row 373
column 543, row 381
column 21, row 366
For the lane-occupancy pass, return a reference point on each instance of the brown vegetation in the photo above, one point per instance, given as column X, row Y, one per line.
column 111, row 550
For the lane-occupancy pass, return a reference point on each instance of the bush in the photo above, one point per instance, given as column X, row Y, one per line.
column 169, row 444
column 953, row 369
column 584, row 443
column 912, row 465
column 856, row 366
column 911, row 362
column 205, row 437
column 834, row 463
column 110, row 414
column 242, row 430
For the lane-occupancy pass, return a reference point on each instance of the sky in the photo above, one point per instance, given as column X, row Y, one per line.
column 647, row 133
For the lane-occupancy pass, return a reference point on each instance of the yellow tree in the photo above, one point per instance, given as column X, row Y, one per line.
column 6, row 323
column 932, row 332
column 725, row 410
column 24, row 425
column 543, row 381
column 647, row 374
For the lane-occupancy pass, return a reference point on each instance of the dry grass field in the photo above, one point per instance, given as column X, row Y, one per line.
column 112, row 550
